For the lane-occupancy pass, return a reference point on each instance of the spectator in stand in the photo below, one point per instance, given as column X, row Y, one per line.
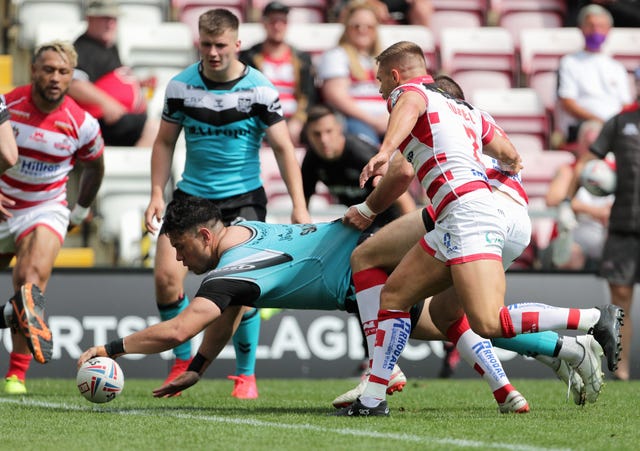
column 621, row 255
column 290, row 70
column 104, row 87
column 592, row 86
column 404, row 12
column 347, row 74
column 579, row 248
column 626, row 13
column 335, row 159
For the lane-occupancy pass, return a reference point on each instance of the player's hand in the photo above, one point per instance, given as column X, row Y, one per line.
column 354, row 218
column 153, row 214
column 173, row 388
column 300, row 216
column 512, row 167
column 374, row 167
column 566, row 216
column 94, row 351
column 5, row 202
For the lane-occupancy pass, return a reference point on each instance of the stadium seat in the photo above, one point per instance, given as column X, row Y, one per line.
column 390, row 34
column 516, row 110
column 472, row 80
column 542, row 48
column 441, row 19
column 517, row 21
column 526, row 143
column 161, row 51
column 623, row 44
column 144, row 11
column 31, row 13
column 67, row 31
column 478, row 8
column 485, row 49
column 540, row 168
column 314, row 38
column 122, row 199
column 516, row 15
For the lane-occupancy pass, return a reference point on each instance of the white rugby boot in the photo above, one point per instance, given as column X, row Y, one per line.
column 396, row 383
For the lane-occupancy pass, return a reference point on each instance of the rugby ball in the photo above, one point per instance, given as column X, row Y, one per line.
column 100, row 379
column 598, row 177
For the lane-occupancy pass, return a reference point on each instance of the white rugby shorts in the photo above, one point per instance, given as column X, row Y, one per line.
column 490, row 227
column 54, row 216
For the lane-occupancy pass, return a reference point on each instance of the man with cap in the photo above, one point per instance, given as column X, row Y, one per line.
column 289, row 69
column 104, row 87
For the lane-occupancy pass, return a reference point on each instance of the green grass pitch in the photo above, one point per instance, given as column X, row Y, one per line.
column 292, row 414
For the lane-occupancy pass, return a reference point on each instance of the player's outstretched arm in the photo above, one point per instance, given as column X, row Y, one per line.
column 177, row 385
column 216, row 336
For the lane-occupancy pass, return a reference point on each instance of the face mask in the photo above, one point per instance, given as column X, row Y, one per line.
column 594, row 41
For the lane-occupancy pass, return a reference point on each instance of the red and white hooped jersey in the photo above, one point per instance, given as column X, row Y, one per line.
column 445, row 145
column 281, row 73
column 48, row 146
column 510, row 184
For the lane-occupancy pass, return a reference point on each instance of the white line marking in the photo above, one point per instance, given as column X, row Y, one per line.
column 266, row 424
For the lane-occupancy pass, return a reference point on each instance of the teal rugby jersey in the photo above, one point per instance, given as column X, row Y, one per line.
column 224, row 125
column 297, row 266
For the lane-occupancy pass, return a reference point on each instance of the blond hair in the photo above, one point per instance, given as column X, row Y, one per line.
column 63, row 48
column 355, row 68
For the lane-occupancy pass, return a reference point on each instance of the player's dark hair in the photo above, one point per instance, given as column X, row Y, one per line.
column 448, row 85
column 184, row 214
column 217, row 21
column 317, row 112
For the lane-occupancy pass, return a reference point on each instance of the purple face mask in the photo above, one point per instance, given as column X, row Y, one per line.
column 594, row 41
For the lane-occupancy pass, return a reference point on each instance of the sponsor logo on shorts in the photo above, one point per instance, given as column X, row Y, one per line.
column 494, row 238
column 446, row 240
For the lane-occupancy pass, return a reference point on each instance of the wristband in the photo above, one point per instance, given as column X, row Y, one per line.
column 365, row 211
column 79, row 214
column 197, row 363
column 115, row 348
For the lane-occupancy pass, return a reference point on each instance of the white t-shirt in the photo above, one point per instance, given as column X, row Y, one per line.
column 334, row 63
column 596, row 82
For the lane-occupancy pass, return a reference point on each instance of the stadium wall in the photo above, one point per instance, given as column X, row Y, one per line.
column 95, row 306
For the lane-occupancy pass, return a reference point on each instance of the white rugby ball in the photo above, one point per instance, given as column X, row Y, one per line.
column 598, row 177
column 100, row 379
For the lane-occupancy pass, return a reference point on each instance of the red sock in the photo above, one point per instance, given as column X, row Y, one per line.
column 18, row 365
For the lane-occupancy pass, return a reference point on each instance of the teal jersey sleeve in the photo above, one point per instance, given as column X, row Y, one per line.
column 295, row 266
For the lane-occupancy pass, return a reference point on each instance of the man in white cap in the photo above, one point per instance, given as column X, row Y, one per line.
column 104, row 87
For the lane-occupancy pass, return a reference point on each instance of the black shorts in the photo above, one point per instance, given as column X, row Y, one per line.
column 620, row 263
column 125, row 132
column 251, row 206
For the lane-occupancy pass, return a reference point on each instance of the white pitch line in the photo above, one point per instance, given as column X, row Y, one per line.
column 266, row 424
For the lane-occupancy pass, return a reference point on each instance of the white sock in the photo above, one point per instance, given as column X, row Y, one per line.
column 394, row 328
